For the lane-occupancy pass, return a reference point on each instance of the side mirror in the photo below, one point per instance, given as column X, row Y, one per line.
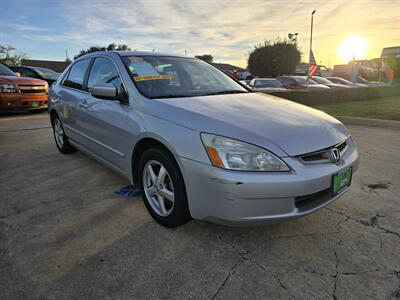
column 104, row 91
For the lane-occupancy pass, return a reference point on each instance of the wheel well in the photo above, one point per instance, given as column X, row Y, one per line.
column 53, row 115
column 140, row 147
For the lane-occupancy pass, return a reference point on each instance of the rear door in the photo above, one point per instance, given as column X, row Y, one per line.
column 104, row 121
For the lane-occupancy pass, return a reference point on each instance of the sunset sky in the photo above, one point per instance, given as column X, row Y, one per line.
column 226, row 29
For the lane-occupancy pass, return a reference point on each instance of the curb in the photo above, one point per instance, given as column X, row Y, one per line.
column 369, row 122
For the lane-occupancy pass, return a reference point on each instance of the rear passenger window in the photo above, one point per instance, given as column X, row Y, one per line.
column 104, row 71
column 76, row 75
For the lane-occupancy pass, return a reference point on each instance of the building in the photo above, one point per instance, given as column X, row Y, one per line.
column 227, row 67
column 57, row 66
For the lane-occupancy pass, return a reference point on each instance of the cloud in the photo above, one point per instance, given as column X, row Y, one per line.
column 22, row 27
column 226, row 29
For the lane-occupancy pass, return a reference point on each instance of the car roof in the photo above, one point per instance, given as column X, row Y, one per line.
column 291, row 76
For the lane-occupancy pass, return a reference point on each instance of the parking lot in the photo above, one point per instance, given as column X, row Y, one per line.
column 63, row 235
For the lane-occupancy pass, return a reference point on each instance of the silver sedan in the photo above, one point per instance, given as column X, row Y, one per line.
column 198, row 144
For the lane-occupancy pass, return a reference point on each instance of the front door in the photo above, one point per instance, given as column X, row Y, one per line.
column 105, row 121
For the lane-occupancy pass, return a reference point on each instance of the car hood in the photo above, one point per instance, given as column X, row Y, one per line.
column 267, row 89
column 318, row 86
column 260, row 119
column 5, row 79
column 338, row 85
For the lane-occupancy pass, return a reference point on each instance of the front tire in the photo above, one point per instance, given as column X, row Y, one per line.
column 60, row 138
column 162, row 187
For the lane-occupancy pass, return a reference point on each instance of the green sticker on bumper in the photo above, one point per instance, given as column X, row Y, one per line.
column 35, row 104
column 341, row 180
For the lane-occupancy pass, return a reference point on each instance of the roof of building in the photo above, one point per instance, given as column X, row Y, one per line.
column 57, row 66
column 227, row 67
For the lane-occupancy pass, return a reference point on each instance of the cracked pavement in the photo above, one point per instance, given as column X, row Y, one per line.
column 64, row 236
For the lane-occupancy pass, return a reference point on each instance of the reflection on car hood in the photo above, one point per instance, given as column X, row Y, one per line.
column 259, row 119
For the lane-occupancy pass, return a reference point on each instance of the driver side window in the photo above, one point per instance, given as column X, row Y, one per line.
column 104, row 71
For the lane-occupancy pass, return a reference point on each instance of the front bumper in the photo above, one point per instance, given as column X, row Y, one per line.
column 247, row 198
column 22, row 102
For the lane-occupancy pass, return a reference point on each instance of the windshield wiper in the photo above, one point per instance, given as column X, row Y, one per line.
column 225, row 92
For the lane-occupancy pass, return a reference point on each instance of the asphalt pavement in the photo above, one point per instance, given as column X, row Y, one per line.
column 63, row 235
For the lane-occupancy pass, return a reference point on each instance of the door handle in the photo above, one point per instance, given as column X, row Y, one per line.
column 83, row 105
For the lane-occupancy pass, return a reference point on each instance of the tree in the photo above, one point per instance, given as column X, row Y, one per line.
column 274, row 59
column 110, row 47
column 10, row 56
column 206, row 57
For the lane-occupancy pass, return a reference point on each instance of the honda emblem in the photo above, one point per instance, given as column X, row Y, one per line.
column 335, row 155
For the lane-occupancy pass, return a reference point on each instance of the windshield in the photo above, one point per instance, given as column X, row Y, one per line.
column 6, row 71
column 46, row 73
column 261, row 83
column 322, row 80
column 340, row 80
column 174, row 77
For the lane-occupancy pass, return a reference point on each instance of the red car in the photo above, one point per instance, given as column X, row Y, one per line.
column 21, row 93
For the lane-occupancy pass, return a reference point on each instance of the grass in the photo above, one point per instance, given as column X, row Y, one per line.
column 383, row 108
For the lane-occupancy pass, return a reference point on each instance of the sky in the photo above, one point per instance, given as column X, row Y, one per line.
column 228, row 30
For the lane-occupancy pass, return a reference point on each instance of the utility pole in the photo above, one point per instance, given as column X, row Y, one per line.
column 309, row 58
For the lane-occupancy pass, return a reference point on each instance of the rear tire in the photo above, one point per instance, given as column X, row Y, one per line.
column 162, row 188
column 60, row 137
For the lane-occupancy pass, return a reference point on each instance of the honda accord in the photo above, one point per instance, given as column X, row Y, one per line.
column 196, row 142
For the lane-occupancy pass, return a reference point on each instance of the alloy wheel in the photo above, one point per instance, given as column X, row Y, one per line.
column 158, row 188
column 58, row 133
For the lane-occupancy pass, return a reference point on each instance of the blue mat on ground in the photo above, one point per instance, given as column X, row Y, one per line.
column 128, row 191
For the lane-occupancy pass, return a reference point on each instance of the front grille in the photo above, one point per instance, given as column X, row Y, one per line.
column 323, row 155
column 31, row 89
column 312, row 200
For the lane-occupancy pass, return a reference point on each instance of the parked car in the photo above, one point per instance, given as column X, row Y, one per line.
column 20, row 93
column 370, row 83
column 35, row 72
column 299, row 82
column 266, row 85
column 360, row 68
column 327, row 82
column 302, row 70
column 343, row 81
column 245, row 82
column 241, row 74
column 198, row 144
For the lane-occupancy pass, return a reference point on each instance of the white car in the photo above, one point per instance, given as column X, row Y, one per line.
column 267, row 85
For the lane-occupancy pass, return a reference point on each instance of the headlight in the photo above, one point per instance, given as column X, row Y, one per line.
column 236, row 155
column 7, row 88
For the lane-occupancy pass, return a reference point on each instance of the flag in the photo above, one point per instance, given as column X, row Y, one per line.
column 313, row 65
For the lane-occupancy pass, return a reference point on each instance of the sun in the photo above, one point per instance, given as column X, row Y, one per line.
column 353, row 45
